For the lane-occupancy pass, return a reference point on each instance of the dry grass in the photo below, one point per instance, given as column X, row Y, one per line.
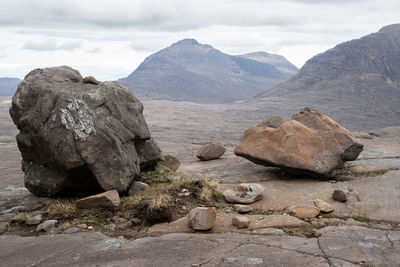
column 162, row 200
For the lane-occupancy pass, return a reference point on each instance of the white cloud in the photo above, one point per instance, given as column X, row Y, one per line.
column 109, row 39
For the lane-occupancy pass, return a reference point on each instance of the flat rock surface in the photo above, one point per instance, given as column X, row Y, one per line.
column 349, row 245
column 374, row 194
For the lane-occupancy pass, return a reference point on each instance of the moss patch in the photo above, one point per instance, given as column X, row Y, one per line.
column 360, row 218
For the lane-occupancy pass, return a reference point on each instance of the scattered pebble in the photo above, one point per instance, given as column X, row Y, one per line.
column 323, row 205
column 240, row 222
column 339, row 195
column 242, row 208
column 34, row 220
column 46, row 226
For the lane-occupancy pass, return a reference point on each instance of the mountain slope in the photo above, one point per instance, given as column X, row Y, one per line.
column 280, row 62
column 356, row 82
column 189, row 71
column 8, row 86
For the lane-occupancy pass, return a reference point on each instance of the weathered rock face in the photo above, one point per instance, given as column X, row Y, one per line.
column 310, row 143
column 79, row 136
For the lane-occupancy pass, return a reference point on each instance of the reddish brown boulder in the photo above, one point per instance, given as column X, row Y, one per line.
column 108, row 199
column 310, row 143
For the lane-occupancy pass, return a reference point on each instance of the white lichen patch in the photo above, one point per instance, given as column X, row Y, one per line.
column 78, row 118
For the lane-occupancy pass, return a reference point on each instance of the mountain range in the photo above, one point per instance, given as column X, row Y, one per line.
column 190, row 71
column 356, row 82
column 8, row 86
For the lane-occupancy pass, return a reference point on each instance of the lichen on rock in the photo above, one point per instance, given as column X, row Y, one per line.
column 78, row 118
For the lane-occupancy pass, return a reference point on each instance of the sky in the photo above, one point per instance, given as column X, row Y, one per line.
column 109, row 39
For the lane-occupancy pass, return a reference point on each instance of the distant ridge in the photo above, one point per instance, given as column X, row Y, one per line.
column 190, row 71
column 356, row 82
column 8, row 86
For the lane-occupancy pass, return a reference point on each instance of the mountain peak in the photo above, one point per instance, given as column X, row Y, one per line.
column 186, row 41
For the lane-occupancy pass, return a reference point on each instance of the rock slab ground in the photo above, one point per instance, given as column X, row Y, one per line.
column 337, row 246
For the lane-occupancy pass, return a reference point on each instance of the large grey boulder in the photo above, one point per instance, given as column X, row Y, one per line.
column 79, row 136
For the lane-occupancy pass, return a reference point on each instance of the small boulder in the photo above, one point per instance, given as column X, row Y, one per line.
column 339, row 195
column 46, row 226
column 34, row 220
column 210, row 151
column 244, row 193
column 170, row 162
column 242, row 208
column 91, row 80
column 304, row 211
column 136, row 187
column 240, row 222
column 323, row 205
column 202, row 218
column 108, row 199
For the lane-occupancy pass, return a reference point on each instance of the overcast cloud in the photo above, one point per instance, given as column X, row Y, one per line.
column 109, row 39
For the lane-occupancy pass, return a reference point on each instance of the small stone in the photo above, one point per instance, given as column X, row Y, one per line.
column 304, row 211
column 323, row 205
column 170, row 162
column 136, row 187
column 202, row 218
column 108, row 199
column 316, row 232
column 242, row 208
column 110, row 227
column 210, row 152
column 34, row 220
column 244, row 193
column 271, row 209
column 3, row 227
column 125, row 225
column 91, row 79
column 82, row 226
column 71, row 230
column 119, row 220
column 90, row 228
column 339, row 195
column 240, row 222
column 46, row 226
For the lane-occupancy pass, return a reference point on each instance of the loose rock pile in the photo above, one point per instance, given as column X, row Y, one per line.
column 79, row 134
